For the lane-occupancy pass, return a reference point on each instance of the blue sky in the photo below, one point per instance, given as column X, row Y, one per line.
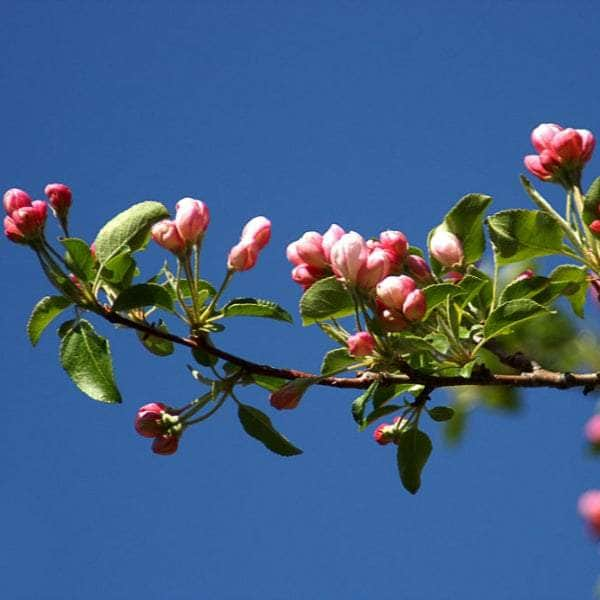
column 373, row 115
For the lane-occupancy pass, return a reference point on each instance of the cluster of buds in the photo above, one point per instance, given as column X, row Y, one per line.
column 25, row 219
column 255, row 236
column 161, row 422
column 399, row 302
column 387, row 433
column 562, row 153
column 180, row 235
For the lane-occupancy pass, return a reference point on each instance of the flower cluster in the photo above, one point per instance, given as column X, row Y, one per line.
column 161, row 422
column 562, row 152
column 25, row 219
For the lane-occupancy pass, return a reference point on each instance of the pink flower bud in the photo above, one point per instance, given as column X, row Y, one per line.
column 396, row 242
column 165, row 444
column 376, row 268
column 12, row 232
column 288, row 397
column 306, row 275
column 534, row 165
column 30, row 220
column 59, row 197
column 446, row 248
column 258, row 230
column 93, row 249
column 415, row 306
column 384, row 434
column 595, row 227
column 330, row 237
column 592, row 430
column 589, row 508
column 309, row 250
column 453, row 277
column 348, row 256
column 568, row 145
column 418, row 268
column 243, row 256
column 542, row 135
column 526, row 274
column 15, row 198
column 361, row 344
column 166, row 234
column 588, row 143
column 148, row 420
column 393, row 291
column 191, row 218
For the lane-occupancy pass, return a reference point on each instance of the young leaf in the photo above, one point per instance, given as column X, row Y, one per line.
column 44, row 312
column 337, row 359
column 325, row 299
column 86, row 358
column 156, row 345
column 204, row 358
column 591, row 202
column 120, row 270
column 441, row 413
column 414, row 448
column 128, row 229
column 382, row 411
column 524, row 234
column 505, row 316
column 255, row 307
column 437, row 293
column 269, row 383
column 143, row 294
column 360, row 404
column 259, row 426
column 465, row 220
column 576, row 286
column 525, row 288
column 79, row 258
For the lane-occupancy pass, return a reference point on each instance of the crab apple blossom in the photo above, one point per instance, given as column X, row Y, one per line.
column 191, row 218
column 149, row 419
column 15, row 198
column 394, row 290
column 415, row 305
column 243, row 256
column 592, row 430
column 395, row 241
column 12, row 232
column 306, row 275
column 376, row 268
column 166, row 234
column 446, row 248
column 60, row 198
column 348, row 256
column 418, row 268
column 308, row 250
column 330, row 237
column 30, row 220
column 165, row 444
column 361, row 343
column 257, row 230
column 383, row 434
column 589, row 508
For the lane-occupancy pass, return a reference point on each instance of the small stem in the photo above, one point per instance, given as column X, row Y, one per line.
column 179, row 294
column 192, row 283
column 212, row 411
column 55, row 253
column 213, row 302
column 356, row 310
column 495, row 280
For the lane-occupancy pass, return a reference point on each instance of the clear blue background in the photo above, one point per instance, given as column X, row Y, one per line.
column 373, row 115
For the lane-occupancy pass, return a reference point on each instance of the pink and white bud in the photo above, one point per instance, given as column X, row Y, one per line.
column 59, row 198
column 12, row 232
column 589, row 508
column 595, row 227
column 165, row 444
column 348, row 256
column 592, row 430
column 568, row 145
column 309, row 250
column 14, row 199
column 191, row 218
column 376, row 268
column 384, row 434
column 418, row 268
column 395, row 241
column 306, row 275
column 588, row 143
column 330, row 237
column 166, row 234
column 526, row 274
column 257, row 230
column 30, row 220
column 243, row 256
column 148, row 420
column 415, row 306
column 446, row 248
column 394, row 290
column 543, row 134
column 361, row 344
column 533, row 164
column 453, row 277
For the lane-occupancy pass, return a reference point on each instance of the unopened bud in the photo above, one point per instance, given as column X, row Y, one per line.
column 361, row 344
column 192, row 218
column 595, row 227
column 243, row 256
column 15, row 198
column 59, row 198
column 257, row 230
column 166, row 234
column 394, row 290
column 165, row 444
column 592, row 430
column 589, row 508
column 30, row 220
column 348, row 256
column 446, row 248
column 418, row 268
column 415, row 306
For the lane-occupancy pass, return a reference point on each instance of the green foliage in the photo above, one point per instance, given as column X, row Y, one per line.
column 441, row 413
column 360, row 404
column 86, row 358
column 44, row 312
column 507, row 315
column 156, row 345
column 520, row 234
column 143, row 294
column 325, row 299
column 336, row 360
column 79, row 258
column 255, row 307
column 259, row 426
column 414, row 449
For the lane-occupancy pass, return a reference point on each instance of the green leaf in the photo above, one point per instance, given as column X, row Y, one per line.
column 465, row 220
column 143, row 294
column 86, row 358
column 470, row 286
column 576, row 284
column 441, row 413
column 255, row 307
column 325, row 299
column 259, row 426
column 129, row 229
column 525, row 288
column 524, row 234
column 205, row 289
column 156, row 345
column 269, row 383
column 120, row 270
column 44, row 312
column 332, row 332
column 437, row 293
column 204, row 358
column 337, row 359
column 79, row 258
column 508, row 314
column 591, row 202
column 65, row 327
column 360, row 404
column 414, row 449
column 385, row 393
column 380, row 412
column 406, row 343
